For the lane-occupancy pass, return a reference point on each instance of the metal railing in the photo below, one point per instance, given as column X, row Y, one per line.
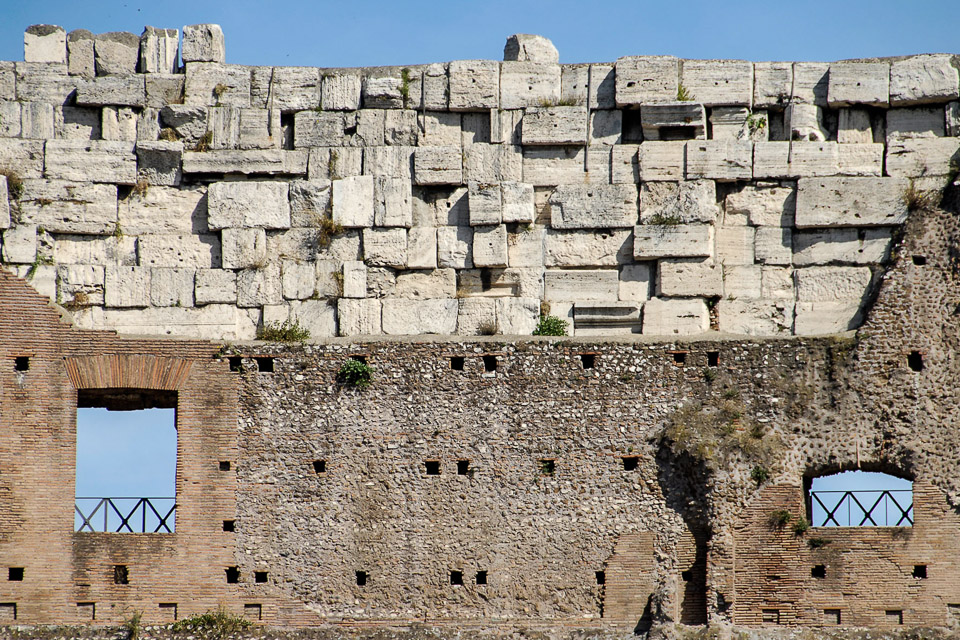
column 862, row 508
column 146, row 515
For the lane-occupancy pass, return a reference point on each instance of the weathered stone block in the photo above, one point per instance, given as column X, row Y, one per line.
column 803, row 121
column 485, row 203
column 772, row 83
column 841, row 246
column 581, row 285
column 548, row 166
column 20, row 244
column 854, row 126
column 738, row 123
column 215, row 286
column 593, row 85
column 382, row 93
column 427, row 285
column 526, row 47
column 635, row 282
column 822, row 318
column 438, row 165
column 678, row 202
column 810, row 159
column 295, row 88
column 920, row 157
column 625, row 164
column 4, row 203
column 675, row 317
column 159, row 162
column 952, row 112
column 455, row 247
column 116, row 53
column 686, row 117
column 915, row 122
column 358, row 317
column 23, row 157
column 203, row 43
column 859, row 83
column 517, row 200
column 718, row 160
column 860, row 159
column 395, row 162
column 555, row 126
column 490, row 246
column 80, row 53
column 583, row 249
column 853, row 202
column 354, row 279
column 777, row 283
column 243, row 248
column 126, row 286
column 119, row 123
column 44, row 82
column 392, row 202
column 422, row 248
column 248, row 204
column 756, row 317
column 436, row 87
column 213, row 84
column 179, row 250
column 10, row 119
column 36, row 120
column 165, row 211
column 45, row 43
column 417, row 317
column 258, row 287
column 91, row 161
column 592, row 207
column 773, row 245
column 606, row 318
column 528, row 84
column 319, row 317
column 340, row 92
column 662, row 160
column 158, row 50
column 385, row 247
column 742, row 281
column 811, row 82
column 735, row 244
column 718, row 82
column 298, row 279
column 474, row 85
column 832, row 283
column 688, row 278
column 80, row 285
column 476, row 316
column 171, row 287
column 489, row 163
column 764, row 204
column 646, row 79
column 606, row 127
column 353, row 201
column 517, row 316
column 672, row 241
column 69, row 207
column 923, row 79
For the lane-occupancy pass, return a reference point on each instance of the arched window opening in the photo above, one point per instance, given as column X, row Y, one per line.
column 861, row 499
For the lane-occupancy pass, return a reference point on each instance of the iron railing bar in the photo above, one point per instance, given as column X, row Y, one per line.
column 852, row 497
column 125, row 516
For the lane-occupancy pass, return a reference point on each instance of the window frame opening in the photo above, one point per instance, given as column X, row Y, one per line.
column 859, row 498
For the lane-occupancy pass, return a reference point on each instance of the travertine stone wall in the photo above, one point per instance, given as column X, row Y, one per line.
column 160, row 193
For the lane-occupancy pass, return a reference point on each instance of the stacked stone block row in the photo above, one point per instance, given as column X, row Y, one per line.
column 653, row 195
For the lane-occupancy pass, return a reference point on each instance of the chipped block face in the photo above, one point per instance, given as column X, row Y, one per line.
column 490, row 246
column 841, row 246
column 764, row 204
column 636, row 282
column 831, row 284
column 756, row 317
column 672, row 241
column 669, row 317
column 853, row 83
column 923, row 79
column 851, row 202
column 340, row 92
column 248, row 204
column 594, row 207
column 719, row 160
column 645, row 79
column 418, row 317
column 385, row 247
column 358, row 317
column 922, row 157
column 772, row 83
column 773, row 245
column 662, row 160
column 353, row 201
column 455, row 247
column 555, row 126
column 600, row 285
column 718, row 82
column 686, row 202
column 686, row 278
column 606, row 248
column 474, row 85
column 438, row 165
column 517, row 202
column 528, row 84
column 485, row 203
column 45, row 43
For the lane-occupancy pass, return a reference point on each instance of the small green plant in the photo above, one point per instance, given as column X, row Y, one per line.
column 709, row 375
column 662, row 220
column 168, row 134
column 328, row 230
column 219, row 623
column 488, row 328
column 219, row 90
column 283, row 332
column 759, row 474
column 118, row 231
column 818, row 543
column 140, row 189
column 551, row 326
column 14, row 183
column 355, row 373
column 683, row 95
column 203, row 144
column 405, row 86
column 548, row 467
column 779, row 518
column 546, row 103
column 917, row 199
column 132, row 625
column 756, row 123
column 800, row 526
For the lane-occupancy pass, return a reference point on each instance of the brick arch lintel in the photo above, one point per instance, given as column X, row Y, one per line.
column 127, row 371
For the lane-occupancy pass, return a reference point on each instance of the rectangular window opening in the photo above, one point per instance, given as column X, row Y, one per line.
column 264, row 364
column 120, row 574
column 668, row 134
column 287, row 128
column 260, row 577
column 21, row 363
column 831, row 616
column 319, row 466
column 489, row 363
column 362, row 577
column 432, row 467
column 770, row 616
column 548, row 466
column 818, row 571
column 168, row 611
column 230, row 526
column 253, row 611
column 233, row 575
column 236, row 363
column 631, row 131
column 920, row 571
column 456, row 578
column 915, row 361
column 679, row 357
column 481, row 577
column 224, row 465
column 894, row 616
column 126, row 446
column 588, row 360
column 87, row 610
column 8, row 611
column 601, row 577
column 713, row 358
column 463, row 467
column 15, row 574
column 456, row 363
column 630, row 463
column 919, row 260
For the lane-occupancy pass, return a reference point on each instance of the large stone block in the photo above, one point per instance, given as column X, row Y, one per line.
column 164, row 210
column 20, row 244
column 585, row 249
column 811, row 82
column 298, row 279
column 646, row 79
column 418, row 317
column 555, row 126
column 772, row 83
column 485, row 203
column 548, row 166
column 490, row 246
column 22, row 157
column 675, row 317
column 851, row 202
column 392, row 202
column 841, row 246
column 75, row 123
column 247, row 162
column 866, row 83
column 497, row 283
column 490, row 163
column 119, row 123
column 340, row 92
column 426, row 285
column 319, row 317
column 69, row 207
column 678, row 202
column 824, row 318
column 795, row 159
column 87, row 249
column 763, row 204
column 80, row 285
column 438, row 165
column 436, row 87
column 243, row 248
column 718, row 160
column 815, row 284
column 36, row 120
column 44, row 82
column 517, row 316
column 662, row 160
column 213, row 84
column 385, row 247
column 395, row 162
column 474, row 85
column 258, row 287
column 600, row 285
column 756, row 317
column 80, row 53
column 126, row 286
column 248, row 204
column 322, row 129
column 672, row 241
column 860, row 159
column 158, row 50
column 179, row 250
column 358, row 317
column 213, row 286
column 525, row 47
column 528, row 84
column 116, row 53
column 743, row 281
column 687, row 278
column 4, row 203
column 91, row 161
column 45, row 43
column 921, row 157
column 455, row 247
column 923, row 79
column 203, row 43
column 295, row 88
column 594, row 206
column 171, row 287
column 593, row 85
column 517, row 200
column 636, row 282
column 422, row 248
column 188, row 123
column 159, row 162
column 915, row 122
column 660, row 121
column 773, row 245
column 353, row 201
column 803, row 121
column 10, row 119
column 382, row 93
column 606, row 318
column 735, row 244
column 718, row 82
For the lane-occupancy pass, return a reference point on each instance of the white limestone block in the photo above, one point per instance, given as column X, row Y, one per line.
column 441, row 129
column 243, row 248
column 43, row 278
column 755, row 317
column 164, row 210
column 591, row 84
column 646, row 79
column 213, row 84
column 36, row 120
column 10, row 119
column 662, row 160
column 583, row 285
column 743, row 281
column 248, row 204
column 23, row 157
column 525, row 248
column 382, row 93
column 772, row 83
column 601, row 206
column 44, row 82
column 672, row 241
column 777, row 283
column 689, row 117
column 126, row 286
column 485, row 203
column 860, row 159
column 116, row 53
column 804, row 121
column 635, row 282
column 771, row 160
column 441, row 207
column 529, row 84
column 517, row 202
column 358, row 317
column 735, row 244
column 526, row 47
column 548, row 166
column 189, row 123
column 159, row 162
column 817, row 284
column 392, row 202
column 295, row 88
column 823, row 318
column 811, row 159
column 854, row 202
column 171, row 287
column 684, row 202
column 841, row 246
column 203, row 43
column 718, row 82
column 179, row 250
column 69, row 207
column 718, row 160
column 490, row 246
column 675, row 317
column 73, row 123
column 586, row 249
column 119, row 123
column 158, row 50
column 426, row 285
column 625, row 164
column 496, row 283
column 916, row 122
column 215, row 286
column 422, row 248
column 606, row 318
column 854, row 126
column 555, row 126
column 80, row 53
column 488, row 163
column 163, row 89
column 920, row 157
column 80, row 285
column 335, row 163
column 865, row 83
column 952, row 112
column 258, row 287
column 734, row 123
column 517, row 316
column 395, row 162
column 86, row 249
column 606, row 127
column 5, row 204
column 353, row 202
column 401, row 127
column 438, row 165
column 773, row 245
column 474, row 85
column 91, row 161
column 354, row 279
column 688, row 278
column 45, row 43
column 764, row 204
column 923, row 79
column 385, row 247
column 20, row 244
column 811, row 83
column 418, row 317
column 476, row 316
column 322, row 129
column 340, row 92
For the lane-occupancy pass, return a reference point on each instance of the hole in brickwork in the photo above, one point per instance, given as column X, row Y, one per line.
column 264, row 365
column 233, row 575
column 168, row 611
column 362, row 577
column 229, row 525
column 489, row 363
column 831, row 616
column 15, row 574
column 713, row 358
column 287, row 130
column 124, row 191
column 236, row 363
column 21, row 363
column 486, row 280
column 456, row 363
column 770, row 616
column 120, row 574
column 630, row 463
column 481, row 577
column 319, row 466
column 915, row 361
column 631, row 131
column 253, row 611
column 894, row 616
column 8, row 611
column 686, row 575
column 456, row 578
column 920, row 571
column 432, row 467
column 359, row 358
column 224, row 465
column 588, row 360
column 601, row 577
column 819, row 571
column 919, row 260
column 259, row 577
column 679, row 357
column 463, row 467
column 87, row 610
column 548, row 466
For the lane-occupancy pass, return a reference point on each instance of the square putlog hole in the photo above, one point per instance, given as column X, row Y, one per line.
column 121, row 575
column 894, row 616
column 456, row 578
column 601, row 577
column 713, row 358
column 253, row 611
column 680, row 357
column 548, row 466
column 831, row 616
column 920, row 571
column 8, row 611
column 588, row 360
column 264, row 365
column 432, row 467
column 630, row 463
column 229, row 526
column 260, row 577
column 915, row 361
column 319, row 466
column 168, row 611
column 457, row 362
column 819, row 571
column 225, row 465
column 489, row 363
column 362, row 577
column 15, row 574
column 21, row 363
column 236, row 363
column 463, row 467
column 233, row 575
column 481, row 577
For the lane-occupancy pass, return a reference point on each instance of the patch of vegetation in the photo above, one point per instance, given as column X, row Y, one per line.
column 203, row 144
column 283, row 332
column 328, row 230
column 38, row 261
column 140, row 189
column 551, row 326
column 14, row 183
column 338, row 282
column 405, row 86
column 756, row 123
column 661, row 220
column 759, row 474
column 683, row 95
column 709, row 375
column 219, row 90
column 218, row 623
column 355, row 373
column 800, row 526
column 779, row 518
column 818, row 543
column 917, row 199
column 168, row 134
column 545, row 103
column 488, row 328
column 132, row 625
column 80, row 299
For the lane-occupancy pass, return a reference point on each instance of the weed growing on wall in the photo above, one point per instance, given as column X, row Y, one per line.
column 355, row 373
column 218, row 623
column 14, row 184
column 779, row 518
column 283, row 332
column 551, row 326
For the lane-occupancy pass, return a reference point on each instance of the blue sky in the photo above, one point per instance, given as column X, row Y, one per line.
column 365, row 33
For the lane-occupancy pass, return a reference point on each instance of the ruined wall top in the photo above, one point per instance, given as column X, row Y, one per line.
column 153, row 188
